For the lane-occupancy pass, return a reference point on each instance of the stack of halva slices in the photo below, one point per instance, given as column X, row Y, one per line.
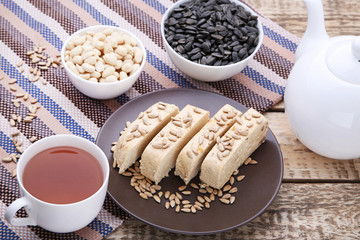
column 164, row 138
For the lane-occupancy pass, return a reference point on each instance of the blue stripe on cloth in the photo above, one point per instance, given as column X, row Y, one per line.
column 94, row 13
column 158, row 64
column 281, row 40
column 168, row 71
column 6, row 143
column 263, row 81
column 100, row 227
column 6, row 232
column 44, row 100
column 31, row 22
column 156, row 5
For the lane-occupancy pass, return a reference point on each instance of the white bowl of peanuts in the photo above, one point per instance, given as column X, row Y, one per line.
column 103, row 62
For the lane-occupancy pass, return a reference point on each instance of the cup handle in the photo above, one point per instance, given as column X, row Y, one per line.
column 13, row 208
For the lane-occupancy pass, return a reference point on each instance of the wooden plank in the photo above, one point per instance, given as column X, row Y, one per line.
column 301, row 164
column 300, row 211
column 341, row 17
column 279, row 107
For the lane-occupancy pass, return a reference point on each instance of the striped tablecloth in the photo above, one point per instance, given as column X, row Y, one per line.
column 62, row 109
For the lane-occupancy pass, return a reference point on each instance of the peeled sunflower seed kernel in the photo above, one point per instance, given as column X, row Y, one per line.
column 226, row 201
column 156, row 198
column 233, row 190
column 226, row 188
column 13, row 174
column 7, row 159
column 187, row 210
column 186, row 192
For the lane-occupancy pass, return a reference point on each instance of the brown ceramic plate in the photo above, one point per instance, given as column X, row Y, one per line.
column 256, row 191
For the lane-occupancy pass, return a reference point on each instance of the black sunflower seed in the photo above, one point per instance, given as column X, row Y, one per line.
column 196, row 56
column 212, row 32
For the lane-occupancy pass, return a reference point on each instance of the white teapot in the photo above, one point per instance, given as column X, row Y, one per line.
column 322, row 96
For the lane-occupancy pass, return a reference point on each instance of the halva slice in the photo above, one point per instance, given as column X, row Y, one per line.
column 160, row 155
column 231, row 150
column 192, row 155
column 137, row 135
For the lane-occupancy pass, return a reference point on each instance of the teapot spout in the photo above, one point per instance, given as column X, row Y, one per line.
column 315, row 34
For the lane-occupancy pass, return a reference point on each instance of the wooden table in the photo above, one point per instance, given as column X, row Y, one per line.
column 319, row 197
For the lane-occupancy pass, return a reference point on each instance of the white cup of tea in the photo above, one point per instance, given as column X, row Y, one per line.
column 69, row 215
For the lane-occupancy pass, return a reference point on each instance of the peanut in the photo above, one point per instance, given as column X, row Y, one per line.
column 106, row 56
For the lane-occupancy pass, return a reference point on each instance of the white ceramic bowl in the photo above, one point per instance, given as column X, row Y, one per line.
column 204, row 72
column 103, row 90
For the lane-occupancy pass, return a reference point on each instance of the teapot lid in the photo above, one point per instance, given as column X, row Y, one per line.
column 343, row 59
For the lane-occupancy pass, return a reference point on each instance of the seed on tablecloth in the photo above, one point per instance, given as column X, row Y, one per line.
column 19, row 95
column 7, row 159
column 19, row 149
column 16, row 103
column 12, row 122
column 33, row 101
column 15, row 134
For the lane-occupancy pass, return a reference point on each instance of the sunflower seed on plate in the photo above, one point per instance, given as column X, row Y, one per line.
column 187, row 210
column 186, row 192
column 177, row 209
column 156, row 198
column 247, row 161
column 253, row 162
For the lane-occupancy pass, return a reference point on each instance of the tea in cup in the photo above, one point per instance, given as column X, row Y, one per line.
column 63, row 182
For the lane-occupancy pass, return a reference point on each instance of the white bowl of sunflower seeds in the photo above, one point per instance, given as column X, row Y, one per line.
column 211, row 40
